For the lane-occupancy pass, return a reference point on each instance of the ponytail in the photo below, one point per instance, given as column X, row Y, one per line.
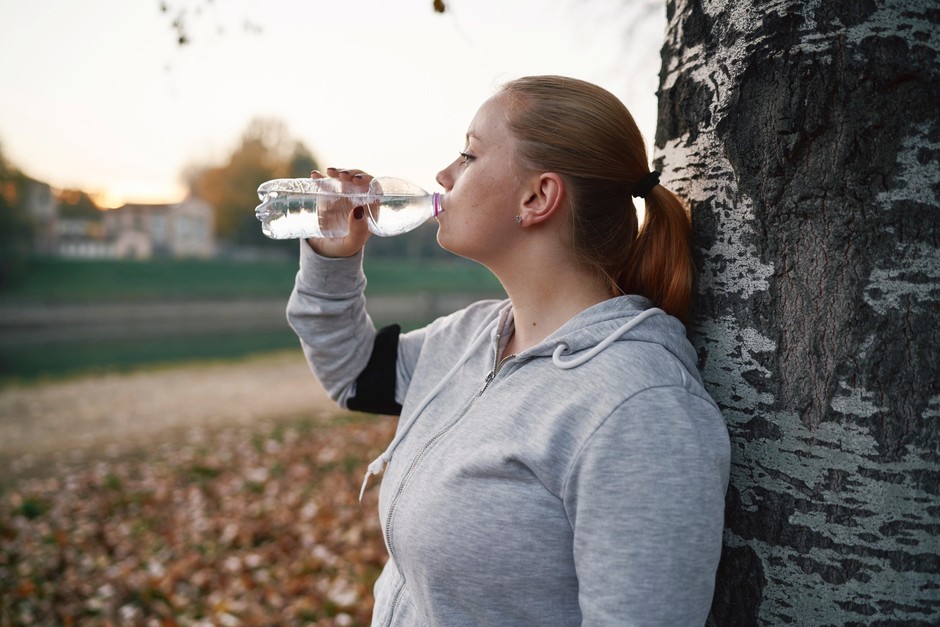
column 660, row 262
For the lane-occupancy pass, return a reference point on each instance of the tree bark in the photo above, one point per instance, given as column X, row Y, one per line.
column 806, row 137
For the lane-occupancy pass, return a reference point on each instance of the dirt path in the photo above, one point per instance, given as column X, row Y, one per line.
column 104, row 416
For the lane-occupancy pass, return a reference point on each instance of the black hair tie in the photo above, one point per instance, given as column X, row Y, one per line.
column 646, row 184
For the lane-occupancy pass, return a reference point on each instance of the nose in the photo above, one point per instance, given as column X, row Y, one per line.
column 444, row 179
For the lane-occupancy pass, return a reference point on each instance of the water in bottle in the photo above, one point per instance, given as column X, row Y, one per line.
column 301, row 208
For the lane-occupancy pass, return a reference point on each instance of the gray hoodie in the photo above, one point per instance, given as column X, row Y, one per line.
column 579, row 482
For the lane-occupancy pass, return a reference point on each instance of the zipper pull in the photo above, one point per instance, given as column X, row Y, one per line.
column 490, row 377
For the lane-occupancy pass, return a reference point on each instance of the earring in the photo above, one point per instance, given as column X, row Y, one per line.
column 519, row 220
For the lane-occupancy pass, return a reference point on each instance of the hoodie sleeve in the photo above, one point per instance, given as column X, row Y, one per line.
column 327, row 311
column 646, row 500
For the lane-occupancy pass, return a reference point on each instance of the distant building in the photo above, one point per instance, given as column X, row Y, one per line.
column 42, row 206
column 176, row 230
column 82, row 238
column 133, row 231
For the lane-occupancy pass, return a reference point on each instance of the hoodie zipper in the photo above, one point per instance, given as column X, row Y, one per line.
column 497, row 366
column 427, row 446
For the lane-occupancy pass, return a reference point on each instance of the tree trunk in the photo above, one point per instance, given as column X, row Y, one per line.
column 806, row 137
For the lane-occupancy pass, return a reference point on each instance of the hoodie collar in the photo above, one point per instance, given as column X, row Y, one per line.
column 593, row 330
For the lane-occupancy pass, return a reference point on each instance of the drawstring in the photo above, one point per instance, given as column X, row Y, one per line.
column 378, row 465
column 610, row 339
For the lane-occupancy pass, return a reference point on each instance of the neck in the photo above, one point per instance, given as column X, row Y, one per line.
column 545, row 300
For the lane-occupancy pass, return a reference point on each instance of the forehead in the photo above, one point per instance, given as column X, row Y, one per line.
column 490, row 121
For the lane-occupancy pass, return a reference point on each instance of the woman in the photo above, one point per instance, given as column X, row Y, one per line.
column 557, row 460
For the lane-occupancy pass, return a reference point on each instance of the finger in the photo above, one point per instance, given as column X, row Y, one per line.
column 345, row 175
column 359, row 226
column 347, row 181
column 349, row 175
column 315, row 174
column 361, row 176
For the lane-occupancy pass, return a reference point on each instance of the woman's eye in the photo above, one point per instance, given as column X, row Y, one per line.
column 466, row 157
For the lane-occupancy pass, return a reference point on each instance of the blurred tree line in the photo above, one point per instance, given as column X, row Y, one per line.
column 17, row 228
column 267, row 151
column 27, row 206
column 74, row 203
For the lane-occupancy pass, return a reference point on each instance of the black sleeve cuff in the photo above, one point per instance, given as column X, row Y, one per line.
column 375, row 386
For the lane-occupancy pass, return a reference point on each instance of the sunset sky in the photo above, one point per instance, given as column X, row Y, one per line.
column 98, row 95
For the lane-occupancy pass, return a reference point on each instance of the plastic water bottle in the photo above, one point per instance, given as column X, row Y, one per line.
column 302, row 208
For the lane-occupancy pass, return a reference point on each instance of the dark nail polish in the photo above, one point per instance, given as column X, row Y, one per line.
column 358, row 212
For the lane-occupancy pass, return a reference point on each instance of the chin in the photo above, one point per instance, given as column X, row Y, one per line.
column 461, row 246
column 451, row 246
column 442, row 240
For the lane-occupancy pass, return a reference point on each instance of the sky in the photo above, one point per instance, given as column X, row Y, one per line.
column 97, row 95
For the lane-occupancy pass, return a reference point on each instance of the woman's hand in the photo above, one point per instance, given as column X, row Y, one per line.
column 352, row 242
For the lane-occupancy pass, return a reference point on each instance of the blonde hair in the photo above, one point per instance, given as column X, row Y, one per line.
column 585, row 134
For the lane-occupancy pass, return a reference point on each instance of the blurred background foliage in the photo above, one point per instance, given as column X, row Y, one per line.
column 266, row 151
column 37, row 289
column 16, row 226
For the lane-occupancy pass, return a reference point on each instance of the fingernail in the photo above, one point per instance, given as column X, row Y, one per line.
column 357, row 176
column 358, row 212
column 312, row 172
column 344, row 171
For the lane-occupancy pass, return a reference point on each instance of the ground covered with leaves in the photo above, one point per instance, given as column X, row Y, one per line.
column 239, row 526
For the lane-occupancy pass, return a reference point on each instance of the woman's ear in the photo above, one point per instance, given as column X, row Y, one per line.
column 546, row 197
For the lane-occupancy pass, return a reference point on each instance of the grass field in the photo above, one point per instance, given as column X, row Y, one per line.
column 56, row 281
column 27, row 363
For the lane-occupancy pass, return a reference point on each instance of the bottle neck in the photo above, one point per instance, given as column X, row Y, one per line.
column 437, row 200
